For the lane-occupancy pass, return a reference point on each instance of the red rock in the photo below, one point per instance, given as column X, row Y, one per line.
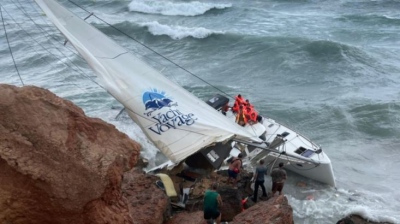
column 276, row 210
column 59, row 166
column 187, row 217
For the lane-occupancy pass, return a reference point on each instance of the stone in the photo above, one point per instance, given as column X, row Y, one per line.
column 275, row 210
column 59, row 166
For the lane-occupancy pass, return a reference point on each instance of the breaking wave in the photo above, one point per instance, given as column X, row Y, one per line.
column 372, row 19
column 178, row 32
column 174, row 9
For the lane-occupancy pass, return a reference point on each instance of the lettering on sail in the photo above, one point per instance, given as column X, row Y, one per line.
column 171, row 119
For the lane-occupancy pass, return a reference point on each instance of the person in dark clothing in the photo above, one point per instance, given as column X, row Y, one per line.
column 211, row 202
column 258, row 178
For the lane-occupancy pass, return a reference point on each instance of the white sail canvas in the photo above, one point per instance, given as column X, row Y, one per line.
column 177, row 122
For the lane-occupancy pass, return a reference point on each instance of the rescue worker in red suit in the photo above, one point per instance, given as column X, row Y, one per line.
column 239, row 100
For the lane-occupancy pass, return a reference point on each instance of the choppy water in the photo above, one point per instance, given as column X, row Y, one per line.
column 329, row 69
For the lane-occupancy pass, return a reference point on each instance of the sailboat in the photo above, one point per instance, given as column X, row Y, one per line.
column 183, row 127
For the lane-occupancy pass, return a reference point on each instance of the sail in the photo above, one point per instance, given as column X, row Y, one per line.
column 176, row 121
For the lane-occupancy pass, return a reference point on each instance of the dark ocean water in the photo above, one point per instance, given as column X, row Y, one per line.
column 329, row 69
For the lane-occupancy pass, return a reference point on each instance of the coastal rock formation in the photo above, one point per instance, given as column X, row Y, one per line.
column 275, row 210
column 356, row 219
column 187, row 217
column 148, row 204
column 59, row 166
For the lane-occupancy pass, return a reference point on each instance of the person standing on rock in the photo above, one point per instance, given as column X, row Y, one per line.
column 234, row 169
column 258, row 178
column 278, row 176
column 211, row 202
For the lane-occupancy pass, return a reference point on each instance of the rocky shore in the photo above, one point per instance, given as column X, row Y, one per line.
column 59, row 166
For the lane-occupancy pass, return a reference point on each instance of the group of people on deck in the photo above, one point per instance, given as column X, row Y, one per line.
column 244, row 111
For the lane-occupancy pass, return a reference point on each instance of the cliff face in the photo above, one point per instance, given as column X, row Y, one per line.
column 59, row 166
column 56, row 164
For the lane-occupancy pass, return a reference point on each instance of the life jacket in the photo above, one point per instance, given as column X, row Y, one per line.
column 247, row 112
column 240, row 100
column 253, row 115
column 248, row 104
column 235, row 107
column 241, row 117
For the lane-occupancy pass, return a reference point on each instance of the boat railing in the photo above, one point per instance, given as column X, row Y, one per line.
column 297, row 132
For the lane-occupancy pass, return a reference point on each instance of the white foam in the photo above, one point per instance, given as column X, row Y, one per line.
column 369, row 214
column 178, row 32
column 174, row 9
column 127, row 126
column 334, row 205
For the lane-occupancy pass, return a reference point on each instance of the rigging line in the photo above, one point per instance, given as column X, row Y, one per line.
column 254, row 130
column 72, row 49
column 52, row 28
column 272, row 166
column 114, row 56
column 164, row 57
column 9, row 47
column 55, row 46
column 312, row 143
column 40, row 46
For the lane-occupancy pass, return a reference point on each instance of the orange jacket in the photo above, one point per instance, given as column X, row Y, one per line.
column 238, row 101
column 251, row 114
column 241, row 116
column 235, row 107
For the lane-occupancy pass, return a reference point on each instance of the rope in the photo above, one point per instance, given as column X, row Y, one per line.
column 164, row 57
column 9, row 47
column 55, row 46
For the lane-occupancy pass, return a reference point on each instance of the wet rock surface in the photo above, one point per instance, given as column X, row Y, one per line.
column 356, row 219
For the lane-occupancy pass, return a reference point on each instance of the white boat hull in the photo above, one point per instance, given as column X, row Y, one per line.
column 299, row 154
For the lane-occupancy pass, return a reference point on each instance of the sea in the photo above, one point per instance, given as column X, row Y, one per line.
column 329, row 69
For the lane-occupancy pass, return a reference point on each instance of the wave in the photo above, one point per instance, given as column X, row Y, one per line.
column 375, row 5
column 157, row 29
column 371, row 19
column 331, row 50
column 174, row 9
column 178, row 32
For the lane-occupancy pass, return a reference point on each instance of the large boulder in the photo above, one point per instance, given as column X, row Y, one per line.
column 59, row 166
column 357, row 219
column 276, row 210
column 148, row 204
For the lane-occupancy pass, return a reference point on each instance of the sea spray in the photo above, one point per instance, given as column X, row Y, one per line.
column 178, row 32
column 174, row 9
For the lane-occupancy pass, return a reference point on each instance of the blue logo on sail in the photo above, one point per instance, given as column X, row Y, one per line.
column 165, row 120
column 154, row 100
